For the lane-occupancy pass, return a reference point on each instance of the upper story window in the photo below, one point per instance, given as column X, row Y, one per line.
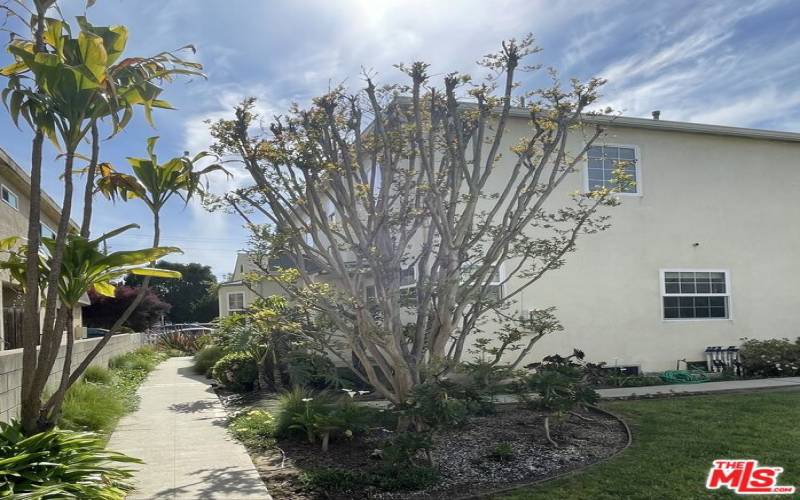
column 604, row 160
column 46, row 231
column 695, row 294
column 9, row 197
column 408, row 277
column 236, row 301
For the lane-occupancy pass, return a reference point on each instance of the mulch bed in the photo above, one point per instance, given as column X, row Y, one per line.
column 464, row 456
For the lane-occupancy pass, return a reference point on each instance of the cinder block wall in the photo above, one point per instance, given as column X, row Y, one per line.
column 11, row 367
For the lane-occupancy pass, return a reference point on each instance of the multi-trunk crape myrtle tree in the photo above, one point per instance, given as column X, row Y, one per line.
column 394, row 209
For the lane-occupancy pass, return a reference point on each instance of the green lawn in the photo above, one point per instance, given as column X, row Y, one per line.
column 675, row 440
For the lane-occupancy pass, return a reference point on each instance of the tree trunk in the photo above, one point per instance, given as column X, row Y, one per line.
column 88, row 194
column 277, row 377
column 31, row 325
column 262, row 381
column 52, row 410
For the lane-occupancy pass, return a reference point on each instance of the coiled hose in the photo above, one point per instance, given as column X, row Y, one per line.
column 684, row 377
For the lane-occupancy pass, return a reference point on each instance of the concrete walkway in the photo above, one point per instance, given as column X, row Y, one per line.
column 724, row 386
column 179, row 432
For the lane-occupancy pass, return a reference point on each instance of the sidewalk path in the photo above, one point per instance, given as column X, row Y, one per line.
column 724, row 386
column 179, row 432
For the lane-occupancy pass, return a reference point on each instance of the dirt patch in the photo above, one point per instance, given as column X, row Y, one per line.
column 488, row 453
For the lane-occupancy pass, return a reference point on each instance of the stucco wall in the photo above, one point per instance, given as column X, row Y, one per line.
column 707, row 202
column 11, row 367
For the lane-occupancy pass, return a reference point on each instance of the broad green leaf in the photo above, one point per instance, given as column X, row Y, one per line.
column 157, row 273
column 105, row 288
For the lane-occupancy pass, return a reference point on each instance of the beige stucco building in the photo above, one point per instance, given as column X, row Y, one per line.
column 14, row 209
column 701, row 253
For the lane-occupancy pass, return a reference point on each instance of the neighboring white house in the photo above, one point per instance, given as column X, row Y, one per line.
column 703, row 252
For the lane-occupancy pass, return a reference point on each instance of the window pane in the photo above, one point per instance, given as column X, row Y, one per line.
column 686, row 312
column 670, row 313
column 611, row 152
column 687, row 287
column 670, row 301
column 716, row 301
column 717, row 287
column 718, row 312
column 671, row 276
column 626, row 154
column 595, row 152
column 686, row 302
column 703, row 287
column 595, row 164
column 701, row 301
column 671, row 288
column 702, row 312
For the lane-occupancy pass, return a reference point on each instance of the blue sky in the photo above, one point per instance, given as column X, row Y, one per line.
column 724, row 62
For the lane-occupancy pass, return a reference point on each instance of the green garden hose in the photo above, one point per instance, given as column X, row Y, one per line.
column 684, row 377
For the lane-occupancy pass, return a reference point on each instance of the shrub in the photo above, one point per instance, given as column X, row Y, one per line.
column 384, row 478
column 771, row 358
column 255, row 428
column 404, row 447
column 178, row 341
column 433, row 403
column 311, row 369
column 93, row 407
column 75, row 465
column 299, row 401
column 97, row 375
column 560, row 383
column 236, row 371
column 206, row 358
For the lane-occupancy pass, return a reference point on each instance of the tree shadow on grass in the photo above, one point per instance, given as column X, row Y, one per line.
column 228, row 482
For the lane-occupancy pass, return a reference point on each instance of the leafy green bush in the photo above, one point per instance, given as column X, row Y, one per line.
column 300, row 401
column 255, row 428
column 436, row 406
column 560, row 383
column 384, row 478
column 97, row 375
column 404, row 447
column 206, row 358
column 60, row 464
column 771, row 358
column 94, row 407
column 311, row 369
column 236, row 371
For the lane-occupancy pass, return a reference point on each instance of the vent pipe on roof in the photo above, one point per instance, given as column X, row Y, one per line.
column 656, row 114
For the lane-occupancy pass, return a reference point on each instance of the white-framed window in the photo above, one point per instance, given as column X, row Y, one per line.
column 235, row 301
column 46, row 231
column 695, row 294
column 408, row 277
column 603, row 160
column 9, row 197
column 495, row 288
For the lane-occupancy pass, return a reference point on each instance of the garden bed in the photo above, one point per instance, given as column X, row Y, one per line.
column 488, row 453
